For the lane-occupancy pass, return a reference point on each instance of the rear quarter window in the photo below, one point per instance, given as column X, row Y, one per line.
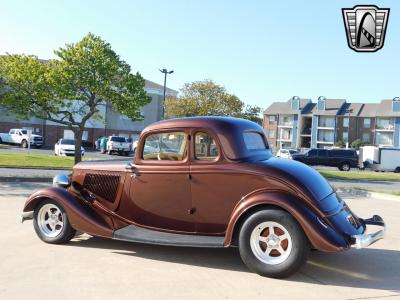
column 254, row 141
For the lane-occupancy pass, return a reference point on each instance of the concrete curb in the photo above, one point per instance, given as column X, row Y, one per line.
column 34, row 168
column 25, row 179
column 365, row 193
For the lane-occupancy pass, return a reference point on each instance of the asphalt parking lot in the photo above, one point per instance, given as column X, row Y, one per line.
column 95, row 268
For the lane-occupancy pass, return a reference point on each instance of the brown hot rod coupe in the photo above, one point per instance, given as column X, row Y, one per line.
column 204, row 182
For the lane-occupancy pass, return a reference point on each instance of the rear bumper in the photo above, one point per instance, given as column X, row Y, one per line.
column 364, row 240
column 26, row 216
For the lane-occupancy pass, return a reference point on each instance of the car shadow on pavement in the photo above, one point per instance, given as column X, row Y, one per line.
column 367, row 268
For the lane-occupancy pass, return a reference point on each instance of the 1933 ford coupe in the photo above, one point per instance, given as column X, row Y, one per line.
column 204, row 182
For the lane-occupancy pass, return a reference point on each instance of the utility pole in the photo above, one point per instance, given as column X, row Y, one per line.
column 166, row 72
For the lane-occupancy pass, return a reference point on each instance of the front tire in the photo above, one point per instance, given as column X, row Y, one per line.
column 272, row 243
column 51, row 223
column 24, row 144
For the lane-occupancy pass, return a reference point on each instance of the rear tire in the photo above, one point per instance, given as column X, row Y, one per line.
column 275, row 254
column 51, row 223
column 344, row 167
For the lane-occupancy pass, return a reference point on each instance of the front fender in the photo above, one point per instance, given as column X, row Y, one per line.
column 80, row 215
column 321, row 236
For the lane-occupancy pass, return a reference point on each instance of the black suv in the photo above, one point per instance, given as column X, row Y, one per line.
column 344, row 159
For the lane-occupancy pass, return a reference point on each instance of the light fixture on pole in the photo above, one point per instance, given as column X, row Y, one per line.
column 165, row 72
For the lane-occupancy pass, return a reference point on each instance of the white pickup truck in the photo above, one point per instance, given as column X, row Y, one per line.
column 21, row 137
column 118, row 144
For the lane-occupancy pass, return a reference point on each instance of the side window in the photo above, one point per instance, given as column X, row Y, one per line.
column 312, row 152
column 165, row 146
column 323, row 153
column 12, row 131
column 205, row 147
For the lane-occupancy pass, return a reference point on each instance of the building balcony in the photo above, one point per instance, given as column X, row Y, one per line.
column 326, row 127
column 286, row 124
column 284, row 139
column 384, row 127
column 306, row 131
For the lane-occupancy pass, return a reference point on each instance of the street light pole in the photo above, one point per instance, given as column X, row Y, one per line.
column 166, row 72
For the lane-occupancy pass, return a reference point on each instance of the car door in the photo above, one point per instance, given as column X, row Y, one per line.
column 217, row 184
column 159, row 193
column 322, row 158
column 311, row 157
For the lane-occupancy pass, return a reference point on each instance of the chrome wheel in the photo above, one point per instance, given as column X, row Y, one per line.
column 271, row 243
column 345, row 167
column 50, row 220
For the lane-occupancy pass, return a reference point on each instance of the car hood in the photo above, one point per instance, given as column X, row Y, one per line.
column 297, row 174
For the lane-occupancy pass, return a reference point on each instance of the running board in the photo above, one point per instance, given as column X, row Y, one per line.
column 134, row 233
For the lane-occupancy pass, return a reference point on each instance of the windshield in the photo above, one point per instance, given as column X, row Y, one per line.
column 24, row 131
column 67, row 142
column 119, row 139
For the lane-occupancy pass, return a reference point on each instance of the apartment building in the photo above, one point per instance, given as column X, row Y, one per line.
column 113, row 123
column 324, row 123
column 282, row 121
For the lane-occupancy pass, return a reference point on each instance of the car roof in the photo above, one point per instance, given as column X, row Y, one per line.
column 229, row 131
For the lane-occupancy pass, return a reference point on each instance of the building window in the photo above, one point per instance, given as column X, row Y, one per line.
column 346, row 122
column 326, row 122
column 69, row 135
column 345, row 136
column 286, row 120
column 326, row 136
column 272, row 120
column 286, row 134
column 365, row 137
column 385, row 123
column 271, row 133
column 384, row 138
column 367, row 123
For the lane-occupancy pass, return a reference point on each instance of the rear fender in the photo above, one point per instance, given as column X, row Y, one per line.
column 80, row 215
column 321, row 236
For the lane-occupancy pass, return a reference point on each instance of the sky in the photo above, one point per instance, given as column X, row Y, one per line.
column 262, row 51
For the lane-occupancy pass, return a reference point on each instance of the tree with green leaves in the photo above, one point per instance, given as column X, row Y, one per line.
column 206, row 98
column 72, row 88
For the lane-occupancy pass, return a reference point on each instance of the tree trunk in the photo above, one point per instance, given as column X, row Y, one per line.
column 78, row 132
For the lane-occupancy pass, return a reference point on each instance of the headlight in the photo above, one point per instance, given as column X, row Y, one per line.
column 61, row 180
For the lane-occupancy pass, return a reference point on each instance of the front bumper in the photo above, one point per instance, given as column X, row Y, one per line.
column 360, row 241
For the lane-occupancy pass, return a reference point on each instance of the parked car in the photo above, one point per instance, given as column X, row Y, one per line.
column 384, row 159
column 204, row 182
column 286, row 153
column 66, row 147
column 17, row 136
column 343, row 159
column 117, row 144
